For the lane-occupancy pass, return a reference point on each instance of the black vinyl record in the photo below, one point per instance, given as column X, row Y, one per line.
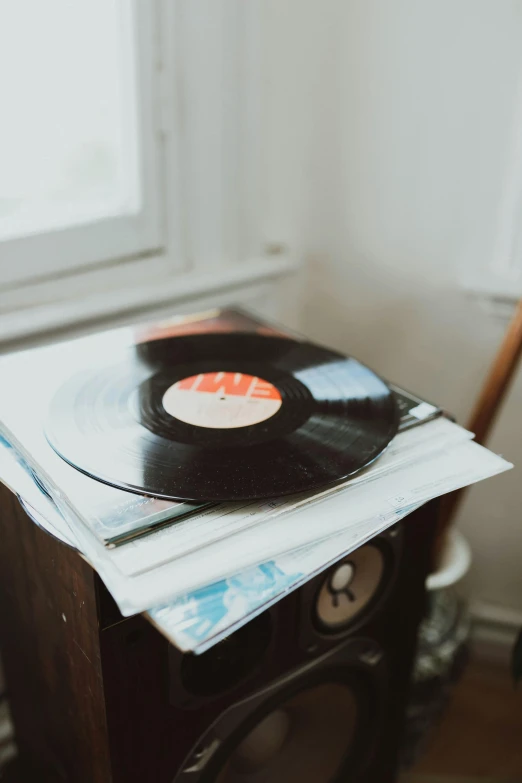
column 214, row 417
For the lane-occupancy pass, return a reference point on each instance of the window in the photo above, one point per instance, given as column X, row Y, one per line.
column 130, row 157
column 79, row 139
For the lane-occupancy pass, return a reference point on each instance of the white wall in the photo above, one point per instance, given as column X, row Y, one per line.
column 388, row 131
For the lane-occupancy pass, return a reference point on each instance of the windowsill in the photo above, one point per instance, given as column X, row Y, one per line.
column 491, row 285
column 117, row 294
column 496, row 294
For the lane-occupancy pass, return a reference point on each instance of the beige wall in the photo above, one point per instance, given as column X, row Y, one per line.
column 388, row 143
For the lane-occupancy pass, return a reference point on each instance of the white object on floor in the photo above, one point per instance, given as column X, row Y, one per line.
column 456, row 560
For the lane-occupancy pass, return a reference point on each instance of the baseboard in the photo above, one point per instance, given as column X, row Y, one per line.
column 493, row 632
column 415, row 778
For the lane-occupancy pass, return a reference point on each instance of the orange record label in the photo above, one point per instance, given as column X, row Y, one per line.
column 222, row 400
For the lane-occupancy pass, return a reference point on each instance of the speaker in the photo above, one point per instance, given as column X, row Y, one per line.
column 313, row 690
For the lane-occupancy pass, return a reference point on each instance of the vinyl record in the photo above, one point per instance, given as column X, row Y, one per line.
column 223, row 417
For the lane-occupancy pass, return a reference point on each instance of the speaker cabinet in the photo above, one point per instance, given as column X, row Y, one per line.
column 312, row 691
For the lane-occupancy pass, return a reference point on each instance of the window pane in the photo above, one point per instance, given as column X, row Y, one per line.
column 68, row 134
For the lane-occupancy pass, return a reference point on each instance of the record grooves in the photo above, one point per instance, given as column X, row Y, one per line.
column 213, row 417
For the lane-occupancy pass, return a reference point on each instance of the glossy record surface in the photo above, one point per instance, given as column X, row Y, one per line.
column 335, row 416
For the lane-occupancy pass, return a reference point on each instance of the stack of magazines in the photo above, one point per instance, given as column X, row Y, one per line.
column 201, row 570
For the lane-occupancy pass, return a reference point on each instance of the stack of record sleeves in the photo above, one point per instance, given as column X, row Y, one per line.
column 208, row 465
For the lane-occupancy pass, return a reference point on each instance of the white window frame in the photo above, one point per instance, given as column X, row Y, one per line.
column 60, row 251
column 204, row 234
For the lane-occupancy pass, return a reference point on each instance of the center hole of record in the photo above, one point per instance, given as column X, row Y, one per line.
column 222, row 400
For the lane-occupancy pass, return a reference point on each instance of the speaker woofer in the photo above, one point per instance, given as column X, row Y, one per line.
column 312, row 733
column 305, row 739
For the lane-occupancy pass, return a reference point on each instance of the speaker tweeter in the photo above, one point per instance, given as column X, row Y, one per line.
column 345, row 596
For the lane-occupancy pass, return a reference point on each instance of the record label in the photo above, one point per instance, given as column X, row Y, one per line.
column 222, row 400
